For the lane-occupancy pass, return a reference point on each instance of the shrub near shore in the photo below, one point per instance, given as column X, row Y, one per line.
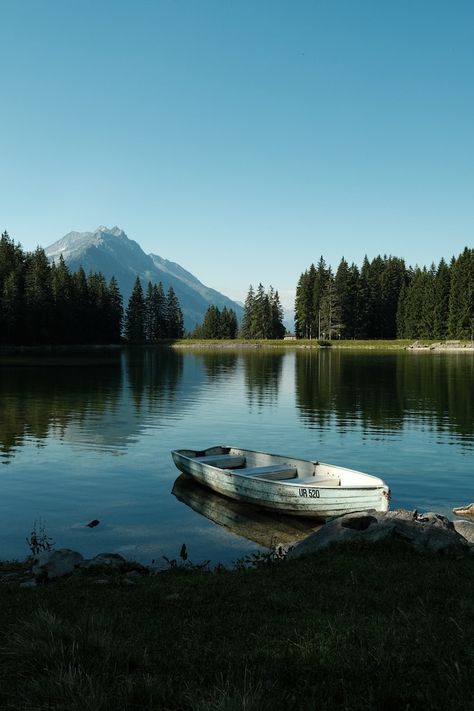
column 352, row 628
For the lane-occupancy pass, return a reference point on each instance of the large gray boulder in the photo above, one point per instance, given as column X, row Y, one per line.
column 465, row 529
column 114, row 561
column 427, row 533
column 54, row 564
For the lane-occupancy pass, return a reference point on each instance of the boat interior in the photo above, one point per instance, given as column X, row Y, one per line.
column 272, row 472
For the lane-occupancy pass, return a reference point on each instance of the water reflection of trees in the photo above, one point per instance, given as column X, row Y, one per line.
column 86, row 395
column 384, row 391
column 153, row 376
column 47, row 393
column 218, row 364
column 262, row 375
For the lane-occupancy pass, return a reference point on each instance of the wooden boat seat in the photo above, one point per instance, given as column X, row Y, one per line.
column 222, row 461
column 275, row 472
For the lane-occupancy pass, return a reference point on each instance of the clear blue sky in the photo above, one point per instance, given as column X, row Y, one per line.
column 245, row 138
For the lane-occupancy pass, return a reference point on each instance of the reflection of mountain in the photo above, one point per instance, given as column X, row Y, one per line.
column 385, row 390
column 242, row 519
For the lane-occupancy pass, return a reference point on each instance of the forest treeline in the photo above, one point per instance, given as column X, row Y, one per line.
column 262, row 318
column 43, row 303
column 385, row 299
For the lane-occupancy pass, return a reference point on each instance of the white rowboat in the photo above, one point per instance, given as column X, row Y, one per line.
column 299, row 487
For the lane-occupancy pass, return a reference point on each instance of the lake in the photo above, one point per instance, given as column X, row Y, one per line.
column 87, row 435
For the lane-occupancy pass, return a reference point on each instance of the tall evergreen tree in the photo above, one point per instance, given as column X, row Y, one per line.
column 135, row 315
column 38, row 299
column 174, row 316
column 304, row 304
column 211, row 325
column 115, row 311
column 246, row 327
column 228, row 323
column 461, row 299
column 62, row 290
column 442, row 285
column 277, row 329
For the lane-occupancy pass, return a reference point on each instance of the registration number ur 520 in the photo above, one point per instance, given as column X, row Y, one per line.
column 309, row 493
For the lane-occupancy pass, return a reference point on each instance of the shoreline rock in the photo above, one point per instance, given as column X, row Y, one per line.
column 427, row 533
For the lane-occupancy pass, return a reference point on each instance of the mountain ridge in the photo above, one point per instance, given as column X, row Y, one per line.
column 111, row 252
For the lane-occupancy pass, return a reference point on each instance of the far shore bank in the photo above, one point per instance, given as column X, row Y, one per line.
column 290, row 344
column 422, row 346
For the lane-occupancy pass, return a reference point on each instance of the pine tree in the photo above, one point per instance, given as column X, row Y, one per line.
column 319, row 279
column 115, row 301
column 174, row 316
column 229, row 324
column 149, row 325
column 38, row 299
column 135, row 315
column 304, row 306
column 61, row 281
column 80, row 318
column 246, row 327
column 211, row 325
column 392, row 276
column 98, row 307
column 11, row 310
column 277, row 329
column 442, row 287
column 159, row 300
column 461, row 299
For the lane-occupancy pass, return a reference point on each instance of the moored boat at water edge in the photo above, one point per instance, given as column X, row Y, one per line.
column 299, row 487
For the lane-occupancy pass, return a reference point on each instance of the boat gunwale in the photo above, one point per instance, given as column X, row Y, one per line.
column 284, row 482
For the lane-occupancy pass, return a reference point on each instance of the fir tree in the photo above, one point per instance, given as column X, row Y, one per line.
column 115, row 312
column 38, row 299
column 461, row 299
column 228, row 323
column 135, row 315
column 442, row 286
column 246, row 326
column 174, row 316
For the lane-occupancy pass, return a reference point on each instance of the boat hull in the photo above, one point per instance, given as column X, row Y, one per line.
column 305, row 494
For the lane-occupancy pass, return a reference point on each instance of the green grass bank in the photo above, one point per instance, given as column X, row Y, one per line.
column 391, row 345
column 351, row 628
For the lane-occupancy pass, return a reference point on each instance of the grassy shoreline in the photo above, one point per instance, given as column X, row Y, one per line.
column 423, row 345
column 355, row 627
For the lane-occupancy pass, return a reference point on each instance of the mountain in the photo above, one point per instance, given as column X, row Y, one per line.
column 111, row 252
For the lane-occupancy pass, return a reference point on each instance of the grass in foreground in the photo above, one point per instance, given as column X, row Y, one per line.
column 354, row 628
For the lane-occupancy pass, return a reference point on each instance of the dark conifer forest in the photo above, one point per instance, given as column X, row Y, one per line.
column 43, row 303
column 385, row 299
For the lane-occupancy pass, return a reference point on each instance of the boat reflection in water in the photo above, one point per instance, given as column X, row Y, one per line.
column 265, row 529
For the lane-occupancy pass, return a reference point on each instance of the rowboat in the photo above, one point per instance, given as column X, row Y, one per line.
column 298, row 487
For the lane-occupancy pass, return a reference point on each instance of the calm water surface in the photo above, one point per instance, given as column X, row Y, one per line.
column 88, row 436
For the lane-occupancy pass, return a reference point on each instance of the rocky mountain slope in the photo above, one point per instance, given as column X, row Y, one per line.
column 111, row 252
